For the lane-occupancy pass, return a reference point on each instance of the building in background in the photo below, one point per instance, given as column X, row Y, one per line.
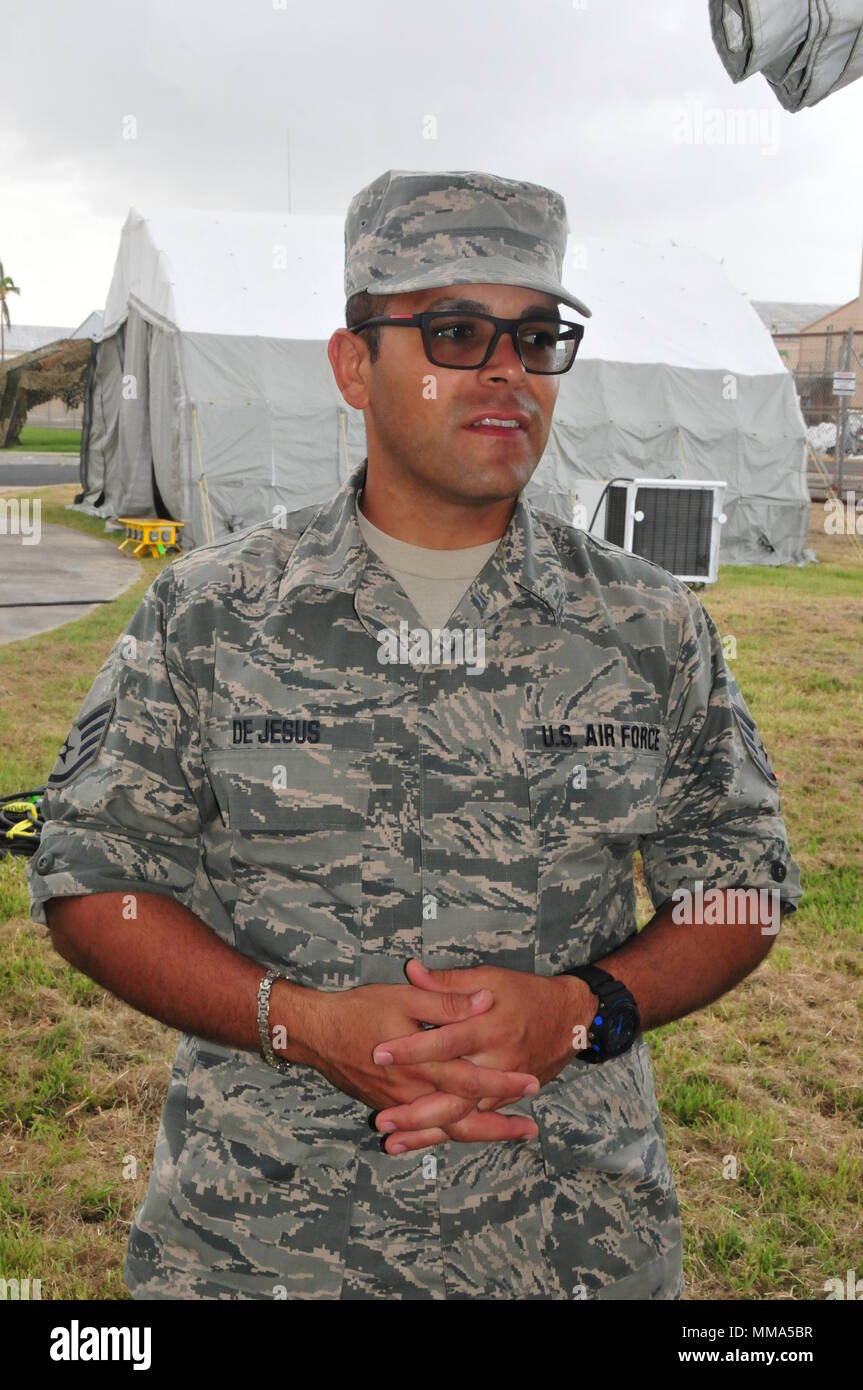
column 812, row 340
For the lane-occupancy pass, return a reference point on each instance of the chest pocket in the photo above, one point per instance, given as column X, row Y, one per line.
column 583, row 794
column 300, row 788
column 288, row 844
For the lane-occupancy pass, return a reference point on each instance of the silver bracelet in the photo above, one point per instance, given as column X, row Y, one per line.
column 267, row 1051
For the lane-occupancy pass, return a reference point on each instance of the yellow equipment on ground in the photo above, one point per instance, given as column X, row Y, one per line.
column 154, row 533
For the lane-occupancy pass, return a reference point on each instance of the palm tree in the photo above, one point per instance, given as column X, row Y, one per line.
column 7, row 286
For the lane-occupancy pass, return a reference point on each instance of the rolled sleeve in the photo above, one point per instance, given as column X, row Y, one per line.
column 121, row 805
column 719, row 819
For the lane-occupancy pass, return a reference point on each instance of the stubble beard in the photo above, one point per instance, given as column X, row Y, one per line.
column 452, row 475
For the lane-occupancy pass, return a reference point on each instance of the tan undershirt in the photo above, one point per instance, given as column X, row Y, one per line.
column 435, row 581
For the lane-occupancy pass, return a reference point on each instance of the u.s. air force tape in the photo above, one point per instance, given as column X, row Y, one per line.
column 83, row 742
column 754, row 746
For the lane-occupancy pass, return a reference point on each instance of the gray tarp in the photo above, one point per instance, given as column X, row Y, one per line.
column 806, row 49
column 129, row 492
column 101, row 418
column 265, row 429
column 165, row 414
column 657, row 421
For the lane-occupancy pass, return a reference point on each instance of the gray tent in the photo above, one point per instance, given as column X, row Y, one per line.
column 211, row 398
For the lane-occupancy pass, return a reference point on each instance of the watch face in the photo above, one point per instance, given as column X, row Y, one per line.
column 621, row 1031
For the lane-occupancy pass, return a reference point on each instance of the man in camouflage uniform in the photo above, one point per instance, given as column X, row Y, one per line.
column 276, row 767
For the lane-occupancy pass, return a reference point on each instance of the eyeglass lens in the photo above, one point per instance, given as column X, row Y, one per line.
column 461, row 340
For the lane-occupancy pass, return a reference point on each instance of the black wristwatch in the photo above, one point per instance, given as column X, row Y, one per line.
column 616, row 1022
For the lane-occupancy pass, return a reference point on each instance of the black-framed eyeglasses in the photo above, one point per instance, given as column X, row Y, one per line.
column 466, row 341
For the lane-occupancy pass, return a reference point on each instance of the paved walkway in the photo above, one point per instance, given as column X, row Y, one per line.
column 38, row 470
column 63, row 565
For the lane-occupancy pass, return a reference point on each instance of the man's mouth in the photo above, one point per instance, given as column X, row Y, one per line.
column 503, row 425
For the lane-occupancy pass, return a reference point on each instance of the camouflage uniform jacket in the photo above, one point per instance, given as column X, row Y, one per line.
column 321, row 810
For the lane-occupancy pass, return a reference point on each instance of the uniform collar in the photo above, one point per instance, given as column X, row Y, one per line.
column 332, row 554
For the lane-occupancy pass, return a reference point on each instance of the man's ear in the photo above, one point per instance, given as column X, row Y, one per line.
column 349, row 359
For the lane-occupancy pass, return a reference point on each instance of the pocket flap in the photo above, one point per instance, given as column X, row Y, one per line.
column 294, row 788
column 592, row 790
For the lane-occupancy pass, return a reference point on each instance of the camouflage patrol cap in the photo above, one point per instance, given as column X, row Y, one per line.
column 417, row 231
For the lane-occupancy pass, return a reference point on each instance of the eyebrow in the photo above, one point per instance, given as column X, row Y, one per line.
column 478, row 306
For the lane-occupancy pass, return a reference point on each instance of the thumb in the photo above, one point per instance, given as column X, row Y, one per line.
column 462, row 981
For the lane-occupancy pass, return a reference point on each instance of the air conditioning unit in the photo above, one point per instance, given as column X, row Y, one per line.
column 671, row 521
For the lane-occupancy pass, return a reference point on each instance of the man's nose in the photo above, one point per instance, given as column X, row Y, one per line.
column 504, row 363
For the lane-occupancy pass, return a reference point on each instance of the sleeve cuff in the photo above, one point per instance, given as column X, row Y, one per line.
column 73, row 861
column 765, row 864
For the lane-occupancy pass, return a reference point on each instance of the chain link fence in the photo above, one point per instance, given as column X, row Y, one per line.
column 834, row 421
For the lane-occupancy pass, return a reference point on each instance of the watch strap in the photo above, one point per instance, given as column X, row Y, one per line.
column 593, row 976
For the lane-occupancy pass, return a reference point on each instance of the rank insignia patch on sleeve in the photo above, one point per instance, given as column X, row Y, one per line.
column 83, row 742
column 754, row 746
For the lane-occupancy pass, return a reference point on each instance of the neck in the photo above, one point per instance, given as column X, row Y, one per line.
column 397, row 506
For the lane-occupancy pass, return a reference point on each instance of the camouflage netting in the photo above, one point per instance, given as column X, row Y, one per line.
column 58, row 371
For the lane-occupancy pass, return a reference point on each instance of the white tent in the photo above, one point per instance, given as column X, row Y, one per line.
column 211, row 399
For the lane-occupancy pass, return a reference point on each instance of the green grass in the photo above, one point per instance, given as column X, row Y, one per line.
column 44, row 440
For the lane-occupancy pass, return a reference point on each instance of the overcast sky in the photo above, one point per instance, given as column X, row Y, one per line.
column 622, row 105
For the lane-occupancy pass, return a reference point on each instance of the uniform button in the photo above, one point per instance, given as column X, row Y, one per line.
column 778, row 870
column 44, row 862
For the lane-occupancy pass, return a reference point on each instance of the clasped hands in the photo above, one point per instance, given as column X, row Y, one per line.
column 498, row 1035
